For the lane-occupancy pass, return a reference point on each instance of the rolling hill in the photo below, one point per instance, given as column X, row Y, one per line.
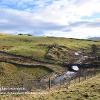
column 36, row 57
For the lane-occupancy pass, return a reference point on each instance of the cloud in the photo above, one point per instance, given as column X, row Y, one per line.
column 25, row 22
column 85, row 24
column 65, row 18
column 81, row 29
column 80, row 32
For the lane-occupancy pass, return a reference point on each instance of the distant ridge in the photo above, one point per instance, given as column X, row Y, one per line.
column 94, row 38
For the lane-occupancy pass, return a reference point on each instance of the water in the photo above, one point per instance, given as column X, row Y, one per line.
column 65, row 77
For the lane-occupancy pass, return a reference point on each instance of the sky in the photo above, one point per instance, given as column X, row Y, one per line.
column 59, row 18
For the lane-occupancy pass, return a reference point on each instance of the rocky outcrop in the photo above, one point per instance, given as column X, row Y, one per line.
column 59, row 53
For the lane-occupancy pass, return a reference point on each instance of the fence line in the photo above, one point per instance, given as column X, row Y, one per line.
column 50, row 83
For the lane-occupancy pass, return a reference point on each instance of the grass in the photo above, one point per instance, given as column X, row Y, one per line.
column 29, row 45
column 13, row 75
column 86, row 90
column 37, row 47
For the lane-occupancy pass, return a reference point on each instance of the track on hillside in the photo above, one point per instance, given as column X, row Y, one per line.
column 27, row 61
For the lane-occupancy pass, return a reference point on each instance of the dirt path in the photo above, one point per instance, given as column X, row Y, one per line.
column 27, row 61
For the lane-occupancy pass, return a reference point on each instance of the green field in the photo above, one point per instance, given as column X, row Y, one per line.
column 49, row 52
column 35, row 46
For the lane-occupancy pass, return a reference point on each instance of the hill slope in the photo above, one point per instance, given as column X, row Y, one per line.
column 37, row 47
column 39, row 55
column 86, row 90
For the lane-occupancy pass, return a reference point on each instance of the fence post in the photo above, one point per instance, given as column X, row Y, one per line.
column 94, row 71
column 67, row 86
column 69, row 82
column 0, row 83
column 60, row 83
column 79, row 77
column 49, row 83
column 86, row 74
column 75, row 80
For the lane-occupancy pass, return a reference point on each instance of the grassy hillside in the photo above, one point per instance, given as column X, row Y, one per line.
column 36, row 47
column 47, row 52
column 86, row 90
column 11, row 75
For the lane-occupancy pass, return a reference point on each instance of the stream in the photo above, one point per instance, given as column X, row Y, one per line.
column 66, row 76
